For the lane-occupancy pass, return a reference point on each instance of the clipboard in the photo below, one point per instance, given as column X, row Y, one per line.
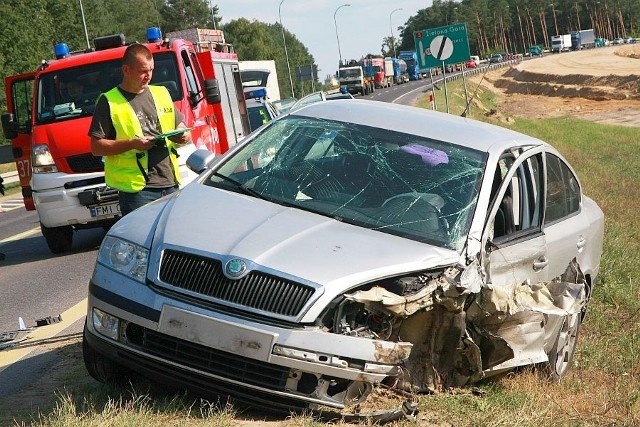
column 171, row 133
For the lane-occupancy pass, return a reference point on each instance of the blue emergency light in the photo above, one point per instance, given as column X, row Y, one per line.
column 61, row 50
column 154, row 34
column 256, row 93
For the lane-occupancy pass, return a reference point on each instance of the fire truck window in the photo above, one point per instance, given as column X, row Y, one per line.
column 165, row 74
column 21, row 93
column 190, row 73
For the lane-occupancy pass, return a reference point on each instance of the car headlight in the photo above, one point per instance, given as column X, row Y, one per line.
column 125, row 257
column 42, row 159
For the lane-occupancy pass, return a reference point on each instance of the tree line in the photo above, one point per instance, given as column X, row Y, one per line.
column 514, row 25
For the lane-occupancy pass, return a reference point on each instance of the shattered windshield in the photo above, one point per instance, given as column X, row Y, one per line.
column 396, row 183
column 72, row 92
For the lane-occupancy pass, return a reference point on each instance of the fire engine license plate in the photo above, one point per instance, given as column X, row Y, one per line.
column 105, row 210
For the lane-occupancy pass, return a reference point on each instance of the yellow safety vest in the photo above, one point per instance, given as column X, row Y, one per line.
column 127, row 171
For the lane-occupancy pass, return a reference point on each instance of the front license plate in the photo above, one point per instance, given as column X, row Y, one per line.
column 215, row 333
column 105, row 210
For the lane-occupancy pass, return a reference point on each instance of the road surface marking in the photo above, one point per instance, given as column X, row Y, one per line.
column 42, row 333
column 22, row 235
column 9, row 204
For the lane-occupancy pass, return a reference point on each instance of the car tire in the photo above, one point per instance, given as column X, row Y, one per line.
column 59, row 239
column 561, row 354
column 103, row 369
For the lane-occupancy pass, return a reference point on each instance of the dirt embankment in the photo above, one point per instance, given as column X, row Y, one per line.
column 601, row 85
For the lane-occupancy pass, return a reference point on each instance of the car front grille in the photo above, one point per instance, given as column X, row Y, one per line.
column 205, row 359
column 257, row 290
column 85, row 163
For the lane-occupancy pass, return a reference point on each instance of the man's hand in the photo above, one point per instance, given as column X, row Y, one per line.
column 142, row 143
column 183, row 138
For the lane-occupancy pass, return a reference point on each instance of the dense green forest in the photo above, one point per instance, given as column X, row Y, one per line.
column 32, row 27
column 514, row 25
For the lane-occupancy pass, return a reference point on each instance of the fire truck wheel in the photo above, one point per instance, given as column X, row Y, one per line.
column 58, row 238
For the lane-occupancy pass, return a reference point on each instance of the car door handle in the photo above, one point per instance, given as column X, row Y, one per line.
column 540, row 263
column 581, row 243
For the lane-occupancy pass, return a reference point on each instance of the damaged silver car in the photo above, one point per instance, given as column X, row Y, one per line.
column 347, row 245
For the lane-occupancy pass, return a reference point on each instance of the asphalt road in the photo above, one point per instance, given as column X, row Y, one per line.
column 34, row 285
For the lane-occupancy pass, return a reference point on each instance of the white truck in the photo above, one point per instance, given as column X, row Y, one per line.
column 352, row 78
column 258, row 74
column 560, row 43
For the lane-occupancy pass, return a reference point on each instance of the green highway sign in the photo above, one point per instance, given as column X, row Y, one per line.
column 443, row 44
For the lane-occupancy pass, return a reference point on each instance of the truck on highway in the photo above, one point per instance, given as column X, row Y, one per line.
column 400, row 74
column 381, row 69
column 352, row 79
column 560, row 43
column 48, row 124
column 410, row 57
column 583, row 39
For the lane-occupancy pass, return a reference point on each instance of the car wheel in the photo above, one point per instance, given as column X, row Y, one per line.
column 58, row 239
column 561, row 353
column 102, row 369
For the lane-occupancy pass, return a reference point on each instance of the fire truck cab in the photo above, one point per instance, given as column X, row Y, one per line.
column 49, row 113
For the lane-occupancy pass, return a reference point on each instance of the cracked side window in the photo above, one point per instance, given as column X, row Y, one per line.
column 391, row 182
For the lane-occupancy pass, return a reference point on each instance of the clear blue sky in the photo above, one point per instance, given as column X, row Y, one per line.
column 361, row 26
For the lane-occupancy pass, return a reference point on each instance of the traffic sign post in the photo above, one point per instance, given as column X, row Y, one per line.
column 442, row 45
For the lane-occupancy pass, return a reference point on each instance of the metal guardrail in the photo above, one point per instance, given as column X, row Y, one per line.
column 484, row 69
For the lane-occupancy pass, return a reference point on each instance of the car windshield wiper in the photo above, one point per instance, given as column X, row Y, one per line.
column 240, row 186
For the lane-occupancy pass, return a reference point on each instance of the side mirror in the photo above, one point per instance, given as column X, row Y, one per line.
column 212, row 91
column 9, row 126
column 200, row 160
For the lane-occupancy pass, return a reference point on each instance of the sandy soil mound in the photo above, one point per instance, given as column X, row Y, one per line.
column 601, row 85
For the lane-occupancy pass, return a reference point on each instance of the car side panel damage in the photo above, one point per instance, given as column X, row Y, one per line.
column 463, row 330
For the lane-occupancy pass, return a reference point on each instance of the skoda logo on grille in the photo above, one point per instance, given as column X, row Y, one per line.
column 235, row 268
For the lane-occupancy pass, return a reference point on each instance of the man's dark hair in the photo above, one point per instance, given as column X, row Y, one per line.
column 133, row 51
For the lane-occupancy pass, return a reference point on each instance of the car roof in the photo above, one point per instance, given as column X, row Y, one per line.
column 420, row 122
column 339, row 95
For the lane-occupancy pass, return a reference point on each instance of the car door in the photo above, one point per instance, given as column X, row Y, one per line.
column 515, row 245
column 19, row 91
column 566, row 225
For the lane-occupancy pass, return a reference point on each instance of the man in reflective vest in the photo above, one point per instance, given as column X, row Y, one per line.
column 125, row 121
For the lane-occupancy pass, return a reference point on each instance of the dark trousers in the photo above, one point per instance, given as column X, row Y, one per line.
column 131, row 201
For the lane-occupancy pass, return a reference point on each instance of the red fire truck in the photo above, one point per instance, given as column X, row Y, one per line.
column 49, row 112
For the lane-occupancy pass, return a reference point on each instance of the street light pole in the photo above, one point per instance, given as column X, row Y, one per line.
column 286, row 54
column 336, row 24
column 393, row 42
